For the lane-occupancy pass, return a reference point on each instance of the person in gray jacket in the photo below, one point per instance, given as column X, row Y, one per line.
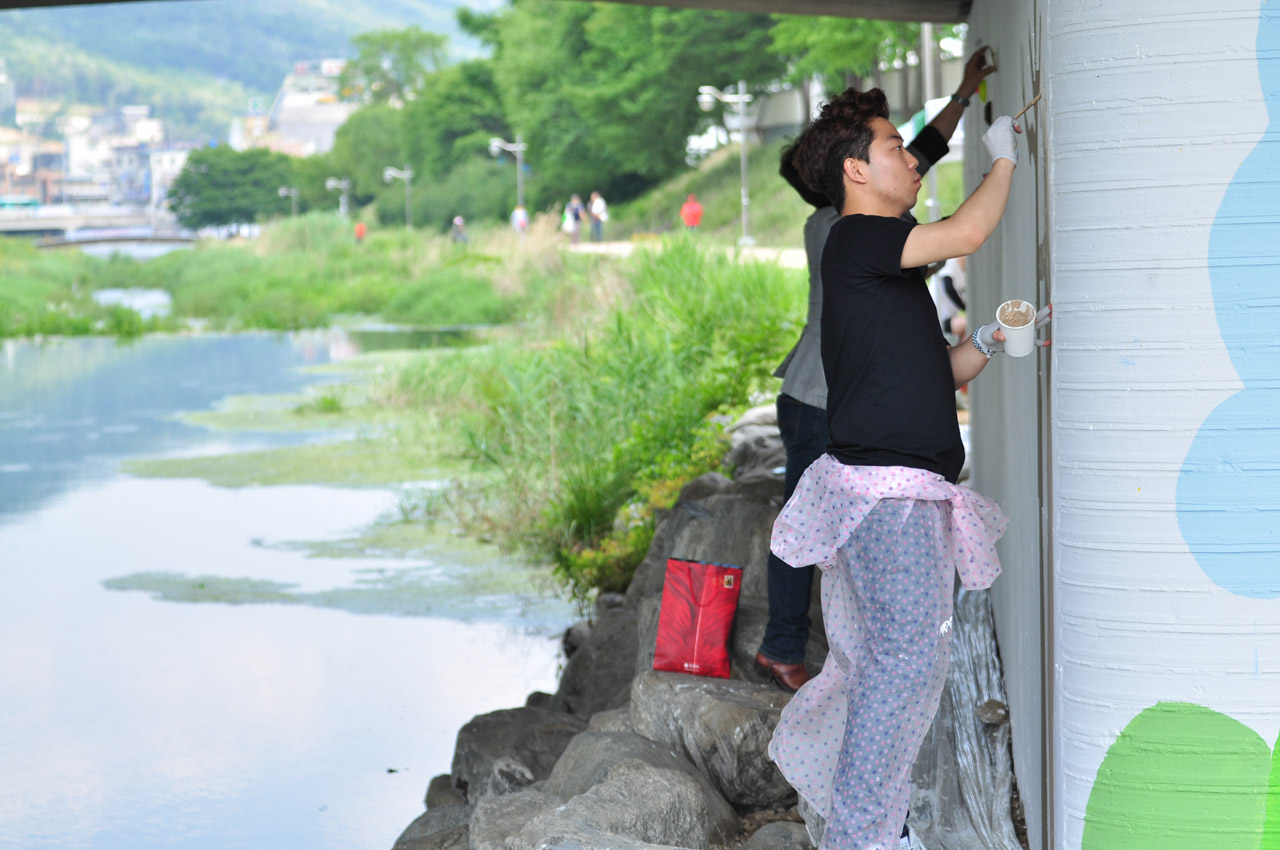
column 802, row 403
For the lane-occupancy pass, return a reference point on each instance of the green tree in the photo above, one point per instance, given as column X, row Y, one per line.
column 645, row 65
column 455, row 114
column 310, row 174
column 370, row 140
column 842, row 51
column 391, row 65
column 579, row 80
column 220, row 186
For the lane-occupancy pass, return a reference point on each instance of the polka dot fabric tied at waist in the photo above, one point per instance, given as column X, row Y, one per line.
column 832, row 498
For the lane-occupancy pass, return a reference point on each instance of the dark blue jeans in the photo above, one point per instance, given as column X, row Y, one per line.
column 804, row 436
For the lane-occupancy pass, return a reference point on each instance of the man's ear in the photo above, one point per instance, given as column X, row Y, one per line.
column 855, row 170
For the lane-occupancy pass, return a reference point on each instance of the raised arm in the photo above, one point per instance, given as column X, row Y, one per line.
column 976, row 219
column 975, row 71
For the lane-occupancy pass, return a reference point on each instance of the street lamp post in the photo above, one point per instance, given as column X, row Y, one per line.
column 928, row 64
column 342, row 186
column 290, row 192
column 497, row 146
column 405, row 174
column 707, row 97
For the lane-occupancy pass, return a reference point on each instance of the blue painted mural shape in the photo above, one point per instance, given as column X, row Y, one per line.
column 1229, row 487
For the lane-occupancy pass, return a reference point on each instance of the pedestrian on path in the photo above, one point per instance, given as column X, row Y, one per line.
column 691, row 212
column 574, row 212
column 458, row 232
column 520, row 220
column 599, row 211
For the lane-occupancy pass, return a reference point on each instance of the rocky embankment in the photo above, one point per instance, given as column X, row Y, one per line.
column 626, row 758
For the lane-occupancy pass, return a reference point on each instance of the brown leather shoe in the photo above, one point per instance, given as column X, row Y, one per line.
column 789, row 677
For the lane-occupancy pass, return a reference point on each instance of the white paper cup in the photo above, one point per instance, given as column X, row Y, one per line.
column 1017, row 319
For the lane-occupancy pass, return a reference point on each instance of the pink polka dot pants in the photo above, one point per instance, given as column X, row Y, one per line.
column 851, row 736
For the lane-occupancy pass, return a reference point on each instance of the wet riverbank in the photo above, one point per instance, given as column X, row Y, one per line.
column 231, row 666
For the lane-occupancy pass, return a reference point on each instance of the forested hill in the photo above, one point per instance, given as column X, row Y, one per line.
column 197, row 61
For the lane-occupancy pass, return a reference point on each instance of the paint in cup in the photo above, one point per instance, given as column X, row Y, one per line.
column 1017, row 319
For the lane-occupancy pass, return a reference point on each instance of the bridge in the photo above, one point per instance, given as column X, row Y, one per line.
column 61, row 219
column 120, row 237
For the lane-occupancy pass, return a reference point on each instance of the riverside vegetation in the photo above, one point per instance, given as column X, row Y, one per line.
column 598, row 389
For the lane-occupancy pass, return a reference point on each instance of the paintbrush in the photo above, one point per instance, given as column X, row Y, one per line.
column 1033, row 102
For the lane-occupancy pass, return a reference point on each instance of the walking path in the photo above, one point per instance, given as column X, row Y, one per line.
column 788, row 258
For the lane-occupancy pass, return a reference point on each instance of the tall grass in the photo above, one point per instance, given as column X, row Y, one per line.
column 584, row 432
column 45, row 293
column 300, row 273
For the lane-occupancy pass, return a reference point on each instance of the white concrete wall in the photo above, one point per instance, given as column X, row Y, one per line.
column 1142, row 456
column 1009, row 401
column 1165, row 267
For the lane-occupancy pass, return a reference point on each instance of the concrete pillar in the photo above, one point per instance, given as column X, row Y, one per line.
column 1163, row 169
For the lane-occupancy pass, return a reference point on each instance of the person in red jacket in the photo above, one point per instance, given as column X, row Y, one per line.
column 691, row 212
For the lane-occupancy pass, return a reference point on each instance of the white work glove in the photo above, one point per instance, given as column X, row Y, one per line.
column 1001, row 139
column 984, row 337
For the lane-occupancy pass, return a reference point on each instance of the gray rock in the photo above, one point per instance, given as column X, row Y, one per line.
column 723, row 726
column 590, row 757
column 760, row 415
column 598, row 675
column 779, row 835
column 754, row 442
column 538, row 699
column 503, row 751
column 574, row 637
column 706, row 484
column 636, row 800
column 437, row 829
column 729, row 522
column 587, row 838
column 715, row 520
column 647, row 613
column 617, row 720
column 497, row 818
column 815, row 824
column 609, row 601
column 731, row 529
column 441, row 793
column 756, row 448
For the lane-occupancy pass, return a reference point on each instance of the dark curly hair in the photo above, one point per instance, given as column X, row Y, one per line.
column 841, row 131
column 787, row 168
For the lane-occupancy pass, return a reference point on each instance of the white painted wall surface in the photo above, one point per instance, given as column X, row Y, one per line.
column 1008, row 402
column 1153, row 106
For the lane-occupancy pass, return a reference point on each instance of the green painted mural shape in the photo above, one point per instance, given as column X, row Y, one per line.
column 1183, row 777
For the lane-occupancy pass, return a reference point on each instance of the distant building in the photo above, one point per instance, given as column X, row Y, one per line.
column 304, row 117
column 30, row 166
column 74, row 154
column 130, row 174
column 166, row 165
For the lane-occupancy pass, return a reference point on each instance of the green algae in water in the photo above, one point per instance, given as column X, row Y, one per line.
column 428, row 573
column 174, row 587
column 347, row 463
column 462, row 593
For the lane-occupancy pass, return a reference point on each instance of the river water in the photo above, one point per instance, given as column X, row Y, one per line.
column 306, row 704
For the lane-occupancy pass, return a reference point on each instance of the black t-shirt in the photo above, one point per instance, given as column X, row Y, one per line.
column 890, row 390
